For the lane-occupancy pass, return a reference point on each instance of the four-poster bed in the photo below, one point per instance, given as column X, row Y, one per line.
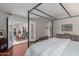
column 52, row 46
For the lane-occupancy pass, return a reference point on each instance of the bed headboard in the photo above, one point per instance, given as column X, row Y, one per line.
column 65, row 35
column 68, row 36
column 42, row 38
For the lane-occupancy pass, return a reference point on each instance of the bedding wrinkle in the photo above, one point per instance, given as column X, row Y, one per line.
column 50, row 47
column 39, row 47
column 57, row 49
column 54, row 47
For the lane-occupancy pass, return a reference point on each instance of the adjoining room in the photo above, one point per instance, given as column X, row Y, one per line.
column 20, row 30
column 14, row 27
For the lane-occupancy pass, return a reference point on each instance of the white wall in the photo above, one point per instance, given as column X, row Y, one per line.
column 19, row 18
column 2, row 21
column 74, row 21
column 41, row 27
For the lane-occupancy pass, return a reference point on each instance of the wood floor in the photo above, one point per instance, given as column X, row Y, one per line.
column 17, row 50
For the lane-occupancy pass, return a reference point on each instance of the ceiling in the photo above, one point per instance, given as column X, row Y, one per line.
column 20, row 9
column 53, row 9
column 57, row 11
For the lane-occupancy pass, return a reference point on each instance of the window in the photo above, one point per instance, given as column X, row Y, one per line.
column 66, row 27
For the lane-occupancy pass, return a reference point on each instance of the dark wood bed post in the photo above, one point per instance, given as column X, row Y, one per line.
column 28, row 27
column 7, row 30
column 29, row 21
column 52, row 28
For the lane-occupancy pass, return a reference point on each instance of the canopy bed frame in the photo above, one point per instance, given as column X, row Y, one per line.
column 50, row 17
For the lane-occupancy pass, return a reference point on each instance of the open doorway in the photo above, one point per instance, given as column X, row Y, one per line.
column 20, row 32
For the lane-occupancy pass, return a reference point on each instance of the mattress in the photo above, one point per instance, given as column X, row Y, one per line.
column 54, row 47
column 72, row 49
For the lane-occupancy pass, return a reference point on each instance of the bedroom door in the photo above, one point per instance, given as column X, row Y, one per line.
column 10, row 32
column 32, row 36
column 49, row 29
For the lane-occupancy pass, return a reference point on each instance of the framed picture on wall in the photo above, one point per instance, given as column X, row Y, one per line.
column 66, row 27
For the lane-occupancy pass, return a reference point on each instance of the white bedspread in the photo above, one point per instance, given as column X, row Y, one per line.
column 54, row 47
column 72, row 49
